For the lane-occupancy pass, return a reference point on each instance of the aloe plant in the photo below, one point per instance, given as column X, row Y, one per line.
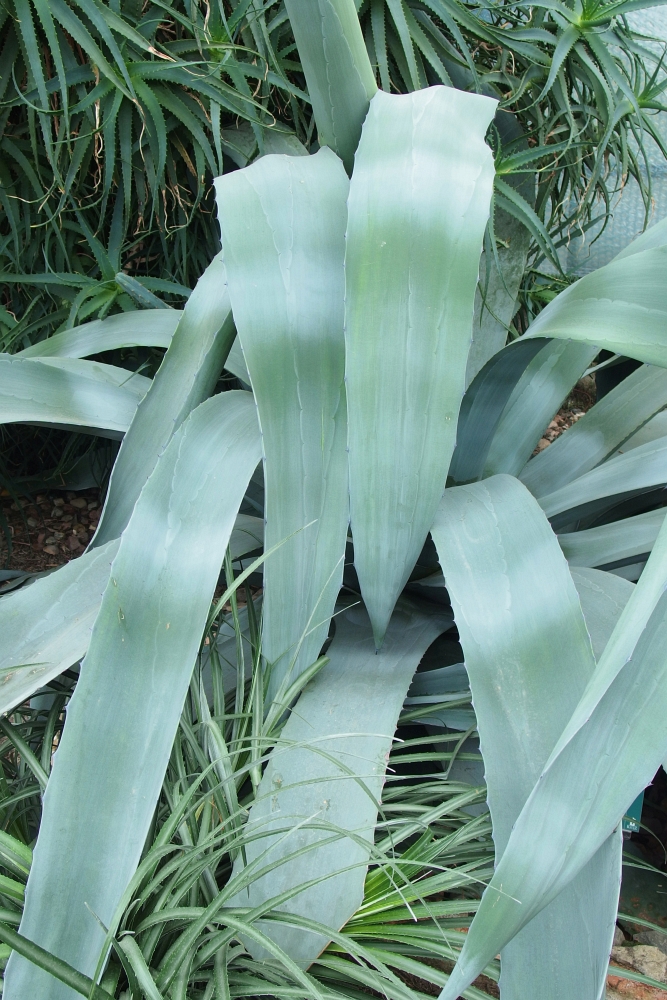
column 350, row 281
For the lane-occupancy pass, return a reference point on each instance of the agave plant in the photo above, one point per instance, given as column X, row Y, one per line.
column 349, row 277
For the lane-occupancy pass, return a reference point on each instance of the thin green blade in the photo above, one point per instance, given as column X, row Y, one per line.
column 122, row 719
column 419, row 202
column 283, row 233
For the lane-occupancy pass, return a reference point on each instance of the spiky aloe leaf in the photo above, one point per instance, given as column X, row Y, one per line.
column 529, row 657
column 316, row 807
column 122, row 719
column 283, row 234
column 338, row 71
column 419, row 202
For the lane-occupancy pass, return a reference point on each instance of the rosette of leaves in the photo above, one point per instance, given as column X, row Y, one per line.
column 352, row 294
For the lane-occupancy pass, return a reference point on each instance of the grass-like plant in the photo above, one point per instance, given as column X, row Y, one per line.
column 349, row 277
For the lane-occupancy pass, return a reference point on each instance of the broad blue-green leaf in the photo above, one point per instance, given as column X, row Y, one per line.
column 31, row 391
column 187, row 376
column 144, row 328
column 419, row 202
column 132, row 382
column 529, row 657
column 496, row 296
column 483, row 406
column 235, row 362
column 621, row 307
column 122, row 719
column 639, row 469
column 599, row 432
column 46, row 626
column 603, row 597
column 436, row 687
column 608, row 753
column 283, row 234
column 338, row 71
column 631, row 625
column 317, row 804
column 651, row 431
column 538, row 394
column 615, row 543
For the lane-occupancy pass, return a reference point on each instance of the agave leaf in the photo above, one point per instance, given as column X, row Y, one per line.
column 283, row 233
column 46, row 626
column 655, row 428
column 122, row 719
column 419, row 202
column 621, row 307
column 187, row 375
column 537, row 396
column 483, row 406
column 131, row 382
column 526, row 647
column 496, row 298
column 631, row 625
column 38, row 645
column 608, row 752
column 338, row 71
column 639, row 469
column 316, row 808
column 144, row 328
column 599, row 433
column 614, row 544
column 603, row 597
column 36, row 392
column 235, row 362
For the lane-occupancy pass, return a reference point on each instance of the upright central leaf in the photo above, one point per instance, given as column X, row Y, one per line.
column 419, row 202
column 283, row 234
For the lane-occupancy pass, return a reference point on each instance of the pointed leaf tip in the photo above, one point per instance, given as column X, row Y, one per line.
column 418, row 205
